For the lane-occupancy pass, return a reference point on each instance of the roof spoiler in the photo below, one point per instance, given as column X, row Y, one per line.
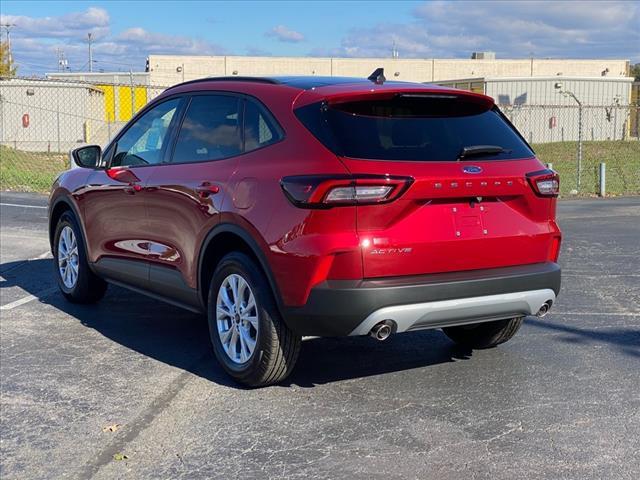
column 377, row 76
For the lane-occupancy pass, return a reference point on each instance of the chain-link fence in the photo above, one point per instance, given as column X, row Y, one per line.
column 576, row 140
column 41, row 120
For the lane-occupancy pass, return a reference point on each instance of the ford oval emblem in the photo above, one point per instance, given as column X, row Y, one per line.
column 472, row 169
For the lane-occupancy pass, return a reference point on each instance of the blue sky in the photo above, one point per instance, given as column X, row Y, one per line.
column 125, row 32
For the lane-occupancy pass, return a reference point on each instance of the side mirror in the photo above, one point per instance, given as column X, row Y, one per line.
column 86, row 157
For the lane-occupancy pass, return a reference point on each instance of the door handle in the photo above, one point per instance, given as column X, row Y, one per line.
column 132, row 188
column 206, row 188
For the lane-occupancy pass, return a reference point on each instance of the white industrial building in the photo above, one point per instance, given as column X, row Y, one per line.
column 46, row 116
column 548, row 109
column 168, row 70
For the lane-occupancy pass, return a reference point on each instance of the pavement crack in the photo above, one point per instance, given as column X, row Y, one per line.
column 131, row 431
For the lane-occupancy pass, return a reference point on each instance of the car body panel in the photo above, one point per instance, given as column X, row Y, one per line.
column 449, row 220
column 179, row 216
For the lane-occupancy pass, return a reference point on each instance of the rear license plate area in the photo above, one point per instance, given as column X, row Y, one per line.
column 468, row 220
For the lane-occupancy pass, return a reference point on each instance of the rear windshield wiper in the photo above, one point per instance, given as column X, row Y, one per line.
column 477, row 150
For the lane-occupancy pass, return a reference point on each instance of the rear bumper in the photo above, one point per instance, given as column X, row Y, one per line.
column 344, row 307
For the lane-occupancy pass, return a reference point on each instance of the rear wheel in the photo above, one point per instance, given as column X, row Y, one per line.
column 484, row 335
column 249, row 337
column 77, row 282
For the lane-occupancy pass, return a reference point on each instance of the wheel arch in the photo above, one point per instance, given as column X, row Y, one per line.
column 57, row 208
column 225, row 238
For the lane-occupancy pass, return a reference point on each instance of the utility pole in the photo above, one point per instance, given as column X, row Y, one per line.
column 90, row 53
column 63, row 63
column 8, row 27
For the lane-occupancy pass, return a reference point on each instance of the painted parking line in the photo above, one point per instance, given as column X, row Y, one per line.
column 21, row 205
column 28, row 298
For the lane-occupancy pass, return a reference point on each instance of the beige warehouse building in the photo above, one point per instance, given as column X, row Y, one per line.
column 171, row 69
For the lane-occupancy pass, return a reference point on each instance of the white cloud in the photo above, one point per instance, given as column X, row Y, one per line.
column 35, row 42
column 569, row 29
column 285, row 34
column 151, row 42
column 578, row 29
column 72, row 25
column 257, row 52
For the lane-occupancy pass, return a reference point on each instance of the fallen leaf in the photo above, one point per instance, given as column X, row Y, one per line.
column 111, row 428
column 120, row 456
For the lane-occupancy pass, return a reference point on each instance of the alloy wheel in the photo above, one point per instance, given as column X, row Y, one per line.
column 68, row 257
column 237, row 318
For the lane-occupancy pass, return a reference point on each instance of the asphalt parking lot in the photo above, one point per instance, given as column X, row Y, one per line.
column 560, row 400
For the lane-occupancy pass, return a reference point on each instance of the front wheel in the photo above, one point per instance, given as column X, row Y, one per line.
column 484, row 335
column 77, row 282
column 249, row 337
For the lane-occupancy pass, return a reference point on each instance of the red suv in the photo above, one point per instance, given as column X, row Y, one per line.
column 294, row 206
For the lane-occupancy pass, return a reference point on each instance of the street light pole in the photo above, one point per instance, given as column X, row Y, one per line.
column 8, row 27
column 568, row 93
column 90, row 53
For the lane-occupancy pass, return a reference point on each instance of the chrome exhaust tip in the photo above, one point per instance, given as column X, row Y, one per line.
column 382, row 330
column 544, row 309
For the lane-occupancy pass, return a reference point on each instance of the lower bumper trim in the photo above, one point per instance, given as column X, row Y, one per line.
column 461, row 311
column 338, row 307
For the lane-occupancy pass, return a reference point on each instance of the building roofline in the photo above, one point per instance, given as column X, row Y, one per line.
column 97, row 74
column 525, row 59
column 530, row 79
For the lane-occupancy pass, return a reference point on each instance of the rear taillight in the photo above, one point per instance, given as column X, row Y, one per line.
column 545, row 183
column 326, row 191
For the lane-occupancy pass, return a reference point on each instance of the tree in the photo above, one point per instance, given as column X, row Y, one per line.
column 7, row 69
column 635, row 71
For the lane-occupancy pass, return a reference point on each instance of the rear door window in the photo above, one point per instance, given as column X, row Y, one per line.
column 412, row 128
column 211, row 129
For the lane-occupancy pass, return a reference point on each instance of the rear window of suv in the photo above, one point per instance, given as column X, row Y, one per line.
column 413, row 127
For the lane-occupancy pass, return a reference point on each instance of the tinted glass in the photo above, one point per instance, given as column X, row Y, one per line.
column 210, row 130
column 143, row 142
column 412, row 129
column 258, row 127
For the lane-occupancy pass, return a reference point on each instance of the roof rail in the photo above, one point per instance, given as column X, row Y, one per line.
column 234, row 78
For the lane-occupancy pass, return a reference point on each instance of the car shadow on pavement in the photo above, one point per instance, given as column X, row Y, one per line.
column 327, row 360
column 181, row 339
column 627, row 339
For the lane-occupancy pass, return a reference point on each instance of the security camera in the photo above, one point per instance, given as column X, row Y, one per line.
column 558, row 86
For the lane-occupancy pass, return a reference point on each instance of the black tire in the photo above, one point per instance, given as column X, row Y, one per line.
column 277, row 347
column 88, row 288
column 484, row 335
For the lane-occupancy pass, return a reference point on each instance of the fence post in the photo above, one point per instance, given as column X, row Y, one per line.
column 133, row 94
column 58, row 127
column 1, row 120
column 603, row 179
column 579, row 145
